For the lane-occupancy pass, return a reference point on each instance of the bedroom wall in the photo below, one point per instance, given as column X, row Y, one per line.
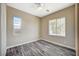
column 3, row 29
column 77, row 28
column 69, row 39
column 0, row 29
column 29, row 31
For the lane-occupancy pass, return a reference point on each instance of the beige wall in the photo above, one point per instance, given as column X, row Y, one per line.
column 30, row 28
column 3, row 29
column 0, row 29
column 77, row 28
column 77, row 23
column 69, row 39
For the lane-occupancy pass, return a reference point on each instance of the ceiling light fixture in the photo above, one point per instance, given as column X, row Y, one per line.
column 40, row 5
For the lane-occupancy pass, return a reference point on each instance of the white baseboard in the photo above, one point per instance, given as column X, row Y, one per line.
column 59, row 44
column 22, row 43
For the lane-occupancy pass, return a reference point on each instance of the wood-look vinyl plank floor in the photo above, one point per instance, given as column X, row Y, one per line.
column 39, row 48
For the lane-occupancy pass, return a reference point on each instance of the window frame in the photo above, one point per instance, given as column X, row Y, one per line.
column 56, row 27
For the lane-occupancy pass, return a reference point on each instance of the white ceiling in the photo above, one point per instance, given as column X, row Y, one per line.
column 31, row 9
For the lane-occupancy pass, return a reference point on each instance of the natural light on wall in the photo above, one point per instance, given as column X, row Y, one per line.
column 57, row 26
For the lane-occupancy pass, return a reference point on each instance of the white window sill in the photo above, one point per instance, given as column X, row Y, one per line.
column 56, row 35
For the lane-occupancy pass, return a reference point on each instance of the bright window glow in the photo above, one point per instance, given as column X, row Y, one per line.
column 16, row 22
column 57, row 27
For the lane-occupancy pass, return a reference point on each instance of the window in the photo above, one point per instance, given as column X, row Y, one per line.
column 57, row 27
column 16, row 23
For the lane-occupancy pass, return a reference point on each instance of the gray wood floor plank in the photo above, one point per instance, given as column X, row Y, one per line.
column 39, row 48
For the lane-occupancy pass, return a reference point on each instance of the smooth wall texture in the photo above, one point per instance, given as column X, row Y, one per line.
column 0, row 29
column 29, row 31
column 69, row 39
column 3, row 29
column 77, row 30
